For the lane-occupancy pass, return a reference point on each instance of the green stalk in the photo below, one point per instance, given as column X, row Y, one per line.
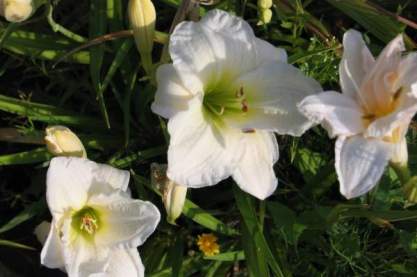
column 402, row 171
column 409, row 183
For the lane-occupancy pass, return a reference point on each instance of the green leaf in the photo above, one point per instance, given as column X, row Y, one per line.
column 15, row 244
column 98, row 24
column 205, row 219
column 308, row 162
column 193, row 211
column 286, row 221
column 29, row 157
column 256, row 247
column 48, row 114
column 176, row 256
column 232, row 256
column 379, row 24
column 139, row 156
column 41, row 46
column 61, row 29
column 35, row 209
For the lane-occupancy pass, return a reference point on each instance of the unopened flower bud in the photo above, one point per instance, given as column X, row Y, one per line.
column 265, row 16
column 174, row 198
column 173, row 195
column 16, row 10
column 265, row 4
column 61, row 141
column 142, row 18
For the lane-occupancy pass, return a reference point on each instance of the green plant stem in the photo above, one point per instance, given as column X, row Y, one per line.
column 402, row 172
column 148, row 66
column 409, row 183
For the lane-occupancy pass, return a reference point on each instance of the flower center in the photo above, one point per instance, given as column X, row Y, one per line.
column 225, row 102
column 86, row 222
column 378, row 111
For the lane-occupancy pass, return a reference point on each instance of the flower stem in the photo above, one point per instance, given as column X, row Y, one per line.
column 402, row 172
column 409, row 183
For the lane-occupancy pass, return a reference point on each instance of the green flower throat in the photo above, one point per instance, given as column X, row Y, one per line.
column 220, row 102
column 86, row 222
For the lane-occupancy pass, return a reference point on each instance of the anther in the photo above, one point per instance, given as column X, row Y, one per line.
column 89, row 224
column 248, row 131
column 397, row 94
column 245, row 106
column 369, row 117
column 240, row 93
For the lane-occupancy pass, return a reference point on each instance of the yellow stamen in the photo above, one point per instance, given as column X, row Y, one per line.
column 89, row 224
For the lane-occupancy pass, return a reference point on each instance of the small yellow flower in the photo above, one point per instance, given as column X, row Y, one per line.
column 207, row 243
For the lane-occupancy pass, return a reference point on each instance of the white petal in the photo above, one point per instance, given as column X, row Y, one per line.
column 126, row 223
column 84, row 259
column 356, row 62
column 360, row 163
column 400, row 152
column 52, row 255
column 171, row 95
column 385, row 126
column 68, row 181
column 267, row 53
column 255, row 173
column 218, row 48
column 108, row 176
column 408, row 71
column 390, row 57
column 81, row 257
column 338, row 113
column 376, row 90
column 201, row 154
column 125, row 263
column 273, row 91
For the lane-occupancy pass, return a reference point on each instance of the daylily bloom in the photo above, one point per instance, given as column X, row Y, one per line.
column 371, row 117
column 225, row 95
column 96, row 226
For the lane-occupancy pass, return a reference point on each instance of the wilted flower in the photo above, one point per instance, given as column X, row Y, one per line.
column 16, row 10
column 96, row 226
column 207, row 243
column 61, row 141
column 225, row 95
column 371, row 116
column 173, row 195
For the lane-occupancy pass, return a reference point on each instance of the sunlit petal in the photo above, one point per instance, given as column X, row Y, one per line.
column 338, row 114
column 360, row 163
column 255, row 172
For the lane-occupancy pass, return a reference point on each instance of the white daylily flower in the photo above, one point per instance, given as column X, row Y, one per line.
column 224, row 95
column 96, row 226
column 371, row 116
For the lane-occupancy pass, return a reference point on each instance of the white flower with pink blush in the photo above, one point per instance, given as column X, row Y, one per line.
column 370, row 118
